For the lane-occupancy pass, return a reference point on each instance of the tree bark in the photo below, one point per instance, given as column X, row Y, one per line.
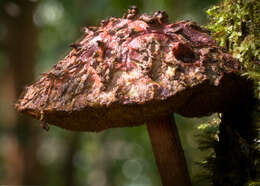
column 236, row 149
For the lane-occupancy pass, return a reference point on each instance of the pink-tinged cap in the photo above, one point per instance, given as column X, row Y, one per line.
column 129, row 70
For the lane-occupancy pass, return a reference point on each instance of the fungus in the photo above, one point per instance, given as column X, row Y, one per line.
column 134, row 70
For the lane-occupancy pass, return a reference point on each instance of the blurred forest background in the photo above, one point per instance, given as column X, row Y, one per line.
column 34, row 35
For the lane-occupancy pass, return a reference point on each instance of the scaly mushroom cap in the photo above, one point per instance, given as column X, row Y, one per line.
column 130, row 70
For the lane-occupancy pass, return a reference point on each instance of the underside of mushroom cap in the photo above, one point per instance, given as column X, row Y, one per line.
column 132, row 69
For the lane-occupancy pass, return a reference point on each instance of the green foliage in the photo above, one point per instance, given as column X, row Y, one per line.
column 208, row 139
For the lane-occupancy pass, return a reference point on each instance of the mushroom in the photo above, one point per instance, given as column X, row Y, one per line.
column 134, row 70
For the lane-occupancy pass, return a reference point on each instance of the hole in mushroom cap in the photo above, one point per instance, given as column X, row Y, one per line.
column 184, row 53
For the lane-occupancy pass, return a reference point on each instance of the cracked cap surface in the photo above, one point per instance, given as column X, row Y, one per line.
column 134, row 69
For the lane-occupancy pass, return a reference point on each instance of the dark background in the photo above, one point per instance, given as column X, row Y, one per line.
column 34, row 35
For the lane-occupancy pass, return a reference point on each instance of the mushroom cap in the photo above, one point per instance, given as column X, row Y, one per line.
column 134, row 69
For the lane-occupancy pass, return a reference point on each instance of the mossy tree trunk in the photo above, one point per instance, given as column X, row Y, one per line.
column 235, row 25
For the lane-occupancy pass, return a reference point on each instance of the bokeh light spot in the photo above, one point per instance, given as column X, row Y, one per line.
column 48, row 13
column 132, row 169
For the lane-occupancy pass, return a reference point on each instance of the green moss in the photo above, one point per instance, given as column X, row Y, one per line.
column 235, row 24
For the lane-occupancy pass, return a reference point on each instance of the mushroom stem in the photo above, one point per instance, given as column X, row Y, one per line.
column 168, row 152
